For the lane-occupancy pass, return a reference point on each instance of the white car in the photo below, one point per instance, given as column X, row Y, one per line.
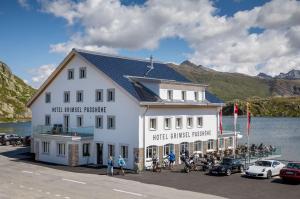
column 264, row 169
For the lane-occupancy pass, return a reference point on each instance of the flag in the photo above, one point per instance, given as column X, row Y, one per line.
column 248, row 118
column 221, row 123
column 235, row 114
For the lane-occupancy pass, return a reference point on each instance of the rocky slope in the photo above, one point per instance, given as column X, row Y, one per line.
column 14, row 93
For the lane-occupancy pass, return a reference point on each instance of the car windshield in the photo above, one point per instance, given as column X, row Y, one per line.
column 227, row 161
column 263, row 163
column 293, row 165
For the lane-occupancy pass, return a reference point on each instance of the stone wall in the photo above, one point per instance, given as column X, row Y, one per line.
column 73, row 155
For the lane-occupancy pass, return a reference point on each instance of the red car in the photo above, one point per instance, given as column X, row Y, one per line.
column 291, row 172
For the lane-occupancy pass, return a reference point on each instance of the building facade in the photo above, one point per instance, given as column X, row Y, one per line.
column 94, row 106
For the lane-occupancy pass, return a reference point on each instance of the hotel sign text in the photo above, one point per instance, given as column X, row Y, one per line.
column 78, row 109
column 172, row 136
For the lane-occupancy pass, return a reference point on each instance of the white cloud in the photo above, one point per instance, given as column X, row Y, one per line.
column 40, row 74
column 24, row 4
column 220, row 42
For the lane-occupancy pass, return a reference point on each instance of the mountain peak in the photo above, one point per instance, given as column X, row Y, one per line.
column 292, row 74
column 199, row 67
column 264, row 76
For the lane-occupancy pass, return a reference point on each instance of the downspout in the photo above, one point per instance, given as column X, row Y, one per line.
column 144, row 134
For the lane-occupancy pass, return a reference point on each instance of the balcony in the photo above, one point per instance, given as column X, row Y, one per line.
column 57, row 131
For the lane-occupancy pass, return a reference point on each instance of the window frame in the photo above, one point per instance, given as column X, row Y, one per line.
column 77, row 96
column 170, row 95
column 183, row 144
column 199, row 126
column 85, row 73
column 86, row 150
column 111, row 151
column 63, row 149
column 72, row 72
column 79, row 124
column 69, row 96
column 181, row 123
column 187, row 122
column 196, row 146
column 210, row 144
column 150, row 148
column 48, row 97
column 168, row 148
column 47, row 120
column 96, row 95
column 97, row 126
column 170, row 123
column 123, row 146
column 183, row 95
column 150, row 128
column 46, row 147
column 108, row 91
column 196, row 96
column 114, row 122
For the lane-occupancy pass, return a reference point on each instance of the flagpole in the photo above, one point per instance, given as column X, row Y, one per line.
column 248, row 134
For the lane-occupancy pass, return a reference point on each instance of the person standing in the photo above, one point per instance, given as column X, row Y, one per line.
column 121, row 164
column 110, row 166
column 171, row 157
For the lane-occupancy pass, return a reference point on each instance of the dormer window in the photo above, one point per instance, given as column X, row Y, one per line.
column 170, row 95
column 48, row 97
column 183, row 95
column 196, row 95
column 82, row 72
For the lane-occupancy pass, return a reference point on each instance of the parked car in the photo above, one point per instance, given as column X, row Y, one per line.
column 227, row 167
column 264, row 169
column 8, row 139
column 291, row 172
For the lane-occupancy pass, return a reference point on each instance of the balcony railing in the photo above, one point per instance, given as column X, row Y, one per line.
column 51, row 130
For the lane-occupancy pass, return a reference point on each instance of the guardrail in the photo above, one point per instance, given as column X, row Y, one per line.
column 78, row 131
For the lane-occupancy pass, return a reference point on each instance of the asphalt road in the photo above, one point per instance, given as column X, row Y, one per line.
column 23, row 179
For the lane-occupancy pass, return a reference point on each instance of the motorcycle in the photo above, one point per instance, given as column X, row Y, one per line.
column 189, row 163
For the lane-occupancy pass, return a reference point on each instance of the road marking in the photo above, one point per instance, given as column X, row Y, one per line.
column 64, row 179
column 27, row 171
column 132, row 193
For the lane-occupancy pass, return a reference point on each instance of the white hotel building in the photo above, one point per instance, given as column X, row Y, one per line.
column 110, row 106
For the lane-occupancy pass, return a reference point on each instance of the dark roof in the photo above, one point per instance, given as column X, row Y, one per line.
column 212, row 98
column 117, row 68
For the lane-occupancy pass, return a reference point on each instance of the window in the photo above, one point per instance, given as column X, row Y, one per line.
column 198, row 146
column 167, row 149
column 183, row 95
column 167, row 123
column 86, row 149
column 99, row 95
column 210, row 144
column 46, row 147
column 221, row 143
column 124, row 151
column 230, row 144
column 48, row 97
column 178, row 123
column 82, row 72
column 189, row 122
column 79, row 96
column 67, row 96
column 111, row 150
column 152, row 124
column 199, row 121
column 79, row 121
column 196, row 95
column 47, row 120
column 71, row 74
column 170, row 95
column 99, row 121
column 111, row 95
column 111, row 122
column 184, row 146
column 151, row 151
column 61, row 149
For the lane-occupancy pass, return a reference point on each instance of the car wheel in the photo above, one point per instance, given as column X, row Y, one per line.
column 187, row 170
column 269, row 174
column 7, row 143
column 228, row 172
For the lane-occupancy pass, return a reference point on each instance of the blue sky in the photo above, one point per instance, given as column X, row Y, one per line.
column 30, row 29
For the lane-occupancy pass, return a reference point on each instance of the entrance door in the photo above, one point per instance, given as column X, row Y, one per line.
column 66, row 123
column 99, row 153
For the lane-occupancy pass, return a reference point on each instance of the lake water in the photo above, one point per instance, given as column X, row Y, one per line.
column 281, row 132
